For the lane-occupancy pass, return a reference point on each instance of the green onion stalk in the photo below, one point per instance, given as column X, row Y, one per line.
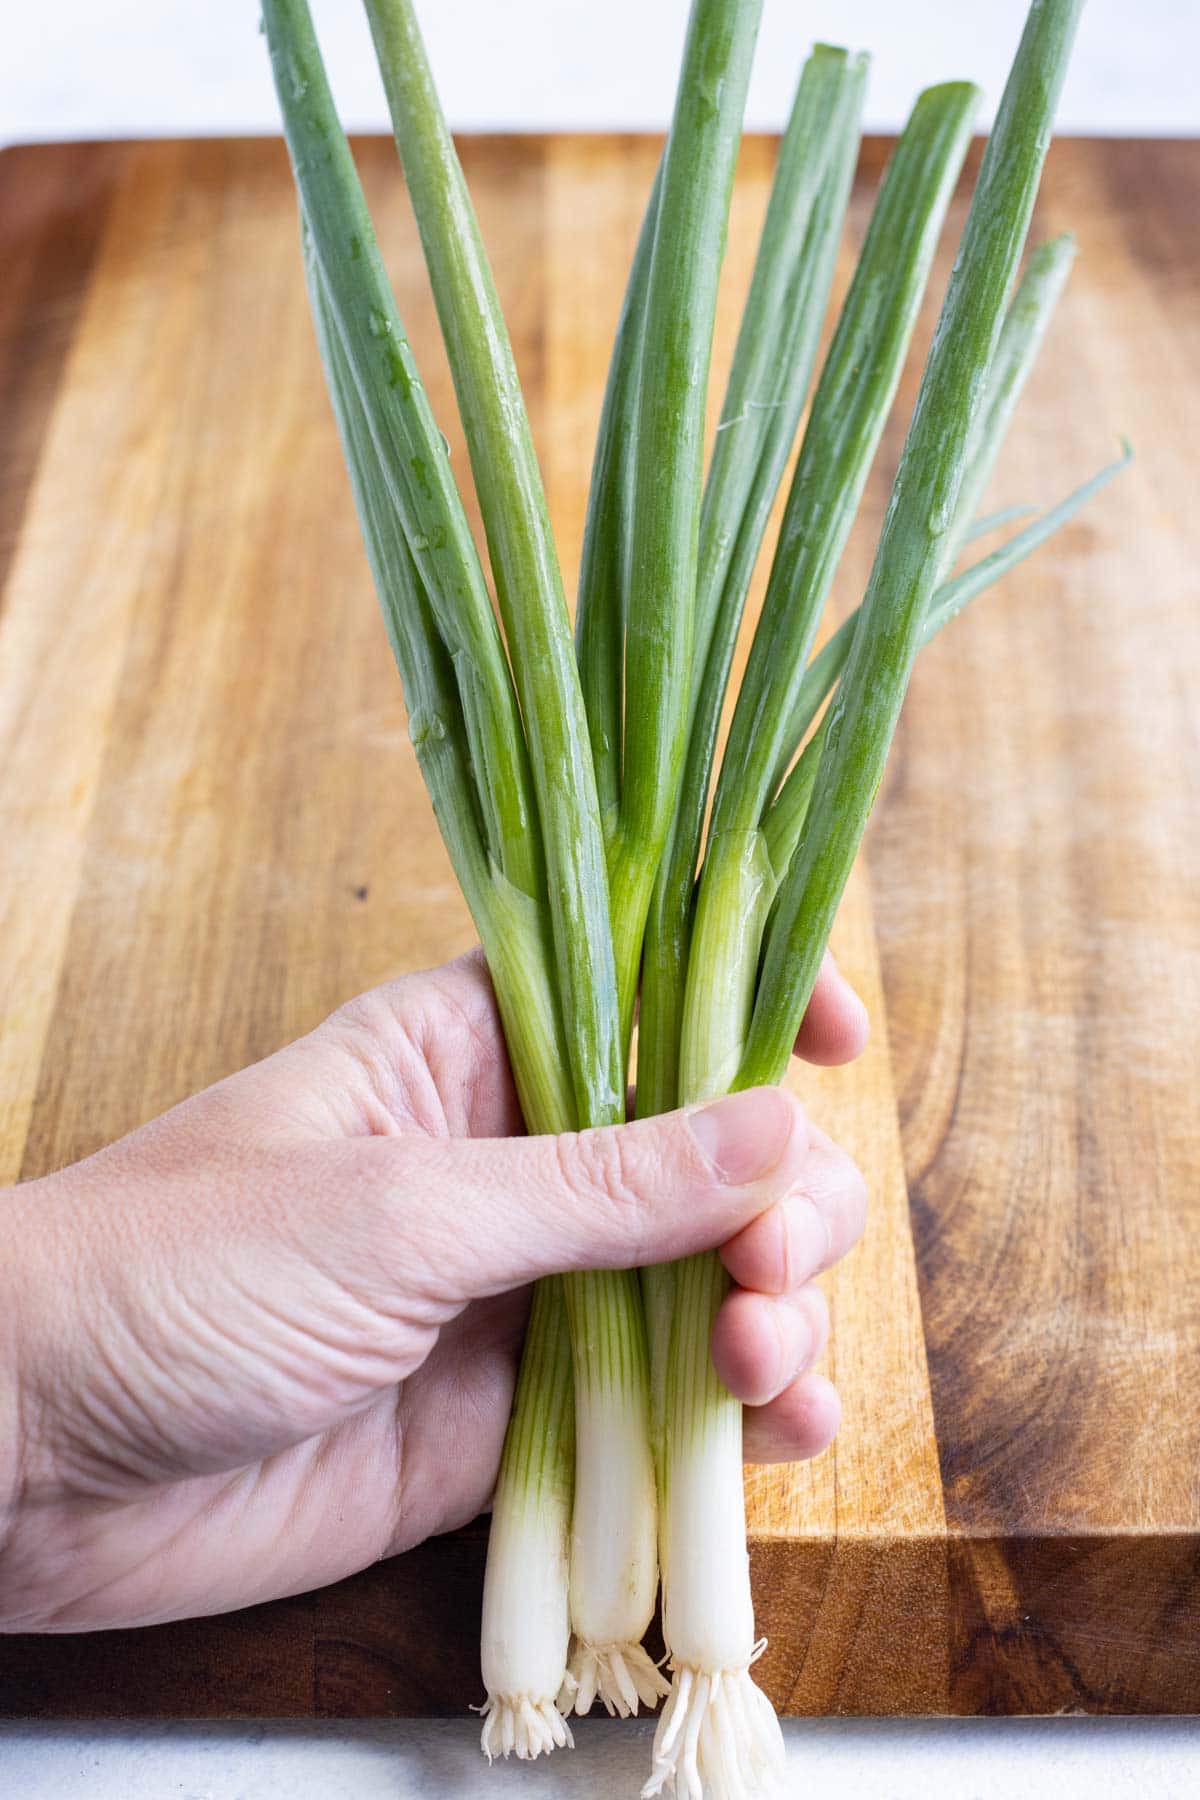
column 522, row 823
column 635, row 621
column 613, row 1556
column 910, row 558
column 716, row 1713
column 662, row 365
column 784, row 819
column 759, row 931
column 535, row 1491
column 763, row 400
column 764, row 397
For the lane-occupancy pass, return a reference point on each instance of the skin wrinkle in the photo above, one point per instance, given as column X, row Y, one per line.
column 328, row 1453
column 409, row 1293
column 107, row 1406
column 235, row 1492
column 142, row 1420
column 349, row 1344
column 807, row 1306
column 67, row 1404
column 353, row 1357
column 110, row 1579
column 786, row 1365
column 436, row 1270
column 790, row 1332
column 598, row 1164
column 784, row 1236
column 380, row 1081
column 836, row 1205
column 476, row 1080
column 221, row 1500
column 18, row 1431
column 479, row 1396
column 255, row 1345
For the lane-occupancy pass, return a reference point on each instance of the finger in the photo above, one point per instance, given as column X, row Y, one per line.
column 808, row 1230
column 800, row 1422
column 762, row 1342
column 482, row 1215
column 834, row 1029
column 423, row 1050
column 428, row 1050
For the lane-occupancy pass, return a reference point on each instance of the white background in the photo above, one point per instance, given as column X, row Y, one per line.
column 78, row 68
column 136, row 67
column 828, row 1759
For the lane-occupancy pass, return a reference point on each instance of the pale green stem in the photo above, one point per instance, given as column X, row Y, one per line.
column 911, row 546
column 697, row 177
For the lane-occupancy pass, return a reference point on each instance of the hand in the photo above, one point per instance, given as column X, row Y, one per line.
column 272, row 1336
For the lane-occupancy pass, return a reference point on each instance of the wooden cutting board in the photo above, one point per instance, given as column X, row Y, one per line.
column 214, row 831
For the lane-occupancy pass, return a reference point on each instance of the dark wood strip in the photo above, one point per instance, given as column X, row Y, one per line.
column 54, row 203
column 242, row 1665
column 1101, row 1624
column 1036, row 878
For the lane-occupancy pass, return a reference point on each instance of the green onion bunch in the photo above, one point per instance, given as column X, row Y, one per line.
column 603, row 852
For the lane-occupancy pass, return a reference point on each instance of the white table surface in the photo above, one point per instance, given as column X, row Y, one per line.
column 132, row 68
column 850, row 1759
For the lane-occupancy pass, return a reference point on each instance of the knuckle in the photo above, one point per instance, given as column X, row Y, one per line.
column 816, row 1306
column 854, row 1189
column 598, row 1162
column 373, row 1013
column 852, row 1175
column 599, row 1165
column 834, row 1188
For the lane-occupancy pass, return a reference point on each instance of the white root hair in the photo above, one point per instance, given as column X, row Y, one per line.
column 621, row 1676
column 718, row 1739
column 517, row 1725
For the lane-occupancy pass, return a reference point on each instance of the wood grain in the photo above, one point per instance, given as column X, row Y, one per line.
column 215, row 831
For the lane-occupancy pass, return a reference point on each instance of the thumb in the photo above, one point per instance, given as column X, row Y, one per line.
column 503, row 1211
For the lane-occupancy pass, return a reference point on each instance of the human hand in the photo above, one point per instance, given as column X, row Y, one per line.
column 272, row 1336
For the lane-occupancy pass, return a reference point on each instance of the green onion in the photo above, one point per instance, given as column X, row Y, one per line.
column 911, row 548
column 537, row 885
column 614, row 1571
column 849, row 409
column 707, row 1615
column 603, row 609
column 763, row 400
column 509, row 925
column 1025, row 324
column 740, row 1022
column 777, row 339
column 571, row 780
column 523, row 560
column 637, row 588
column 768, row 383
column 676, row 344
column 409, row 448
column 525, row 1592
column 784, row 820
column 1006, row 515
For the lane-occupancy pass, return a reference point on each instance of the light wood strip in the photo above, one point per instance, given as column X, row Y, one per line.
column 87, row 547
